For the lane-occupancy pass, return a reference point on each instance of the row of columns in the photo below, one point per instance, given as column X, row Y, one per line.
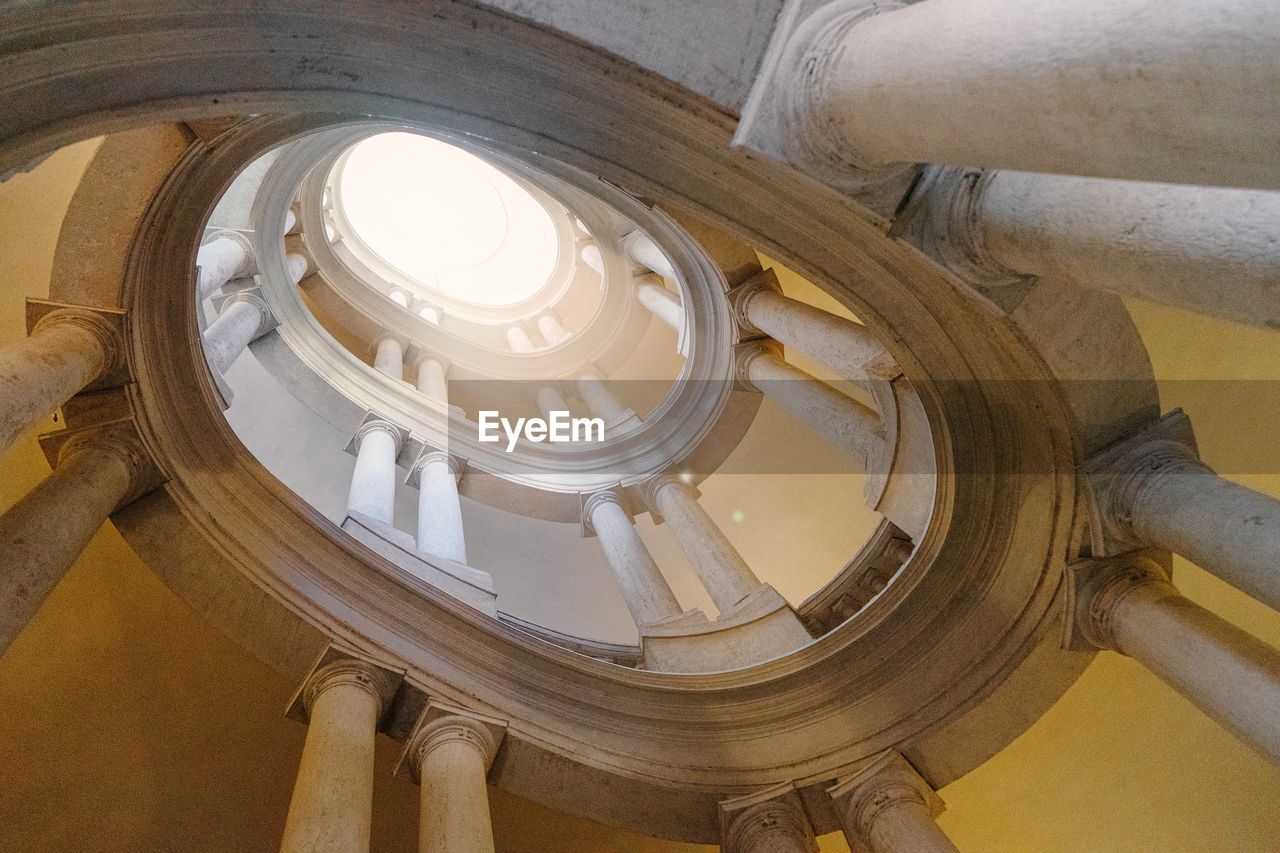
column 448, row 753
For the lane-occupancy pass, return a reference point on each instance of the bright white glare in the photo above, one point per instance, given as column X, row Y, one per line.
column 447, row 219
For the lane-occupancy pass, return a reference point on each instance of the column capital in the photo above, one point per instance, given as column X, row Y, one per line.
column 786, row 116
column 373, row 422
column 1095, row 587
column 775, row 814
column 740, row 298
column 952, row 230
column 1113, row 479
column 862, row 796
column 105, row 324
column 235, row 237
column 250, row 296
column 745, row 353
column 442, row 723
column 457, row 465
column 649, row 489
column 337, row 667
column 119, row 439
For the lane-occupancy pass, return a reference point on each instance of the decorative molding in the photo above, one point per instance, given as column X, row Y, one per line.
column 250, row 296
column 457, row 464
column 745, row 353
column 337, row 666
column 1096, row 586
column 442, row 723
column 740, row 299
column 748, row 822
column 1113, row 479
column 951, row 231
column 373, row 422
column 589, row 502
column 120, row 439
column 861, row 797
column 649, row 489
column 107, row 325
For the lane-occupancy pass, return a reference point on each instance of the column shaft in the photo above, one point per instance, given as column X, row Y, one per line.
column 551, row 330
column 388, row 358
column 599, row 399
column 440, row 529
column 641, row 250
column 1154, row 91
column 431, row 380
column 842, row 345
column 907, row 825
column 42, row 534
column 1223, row 527
column 1229, row 674
column 518, row 339
column 661, row 302
column 837, row 417
column 549, row 399
column 1211, row 250
column 644, row 589
column 39, row 374
column 454, row 797
column 227, row 336
column 220, row 260
column 373, row 481
column 332, row 806
column 726, row 576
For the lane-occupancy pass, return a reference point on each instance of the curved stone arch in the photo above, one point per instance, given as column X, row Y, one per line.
column 955, row 353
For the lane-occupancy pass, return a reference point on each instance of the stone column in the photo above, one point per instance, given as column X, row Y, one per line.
column 660, row 301
column 298, row 266
column 431, row 379
column 373, row 482
column 1127, row 604
column 388, row 357
column 771, row 822
column 1152, row 91
column 449, row 755
column 519, row 341
column 332, row 806
column 549, row 399
column 440, row 530
column 644, row 589
column 842, row 345
column 244, row 318
column 640, row 249
column 1153, row 490
column 726, row 576
column 599, row 399
column 888, row 808
column 69, row 348
column 1208, row 249
column 551, row 330
column 228, row 255
column 837, row 417
column 41, row 536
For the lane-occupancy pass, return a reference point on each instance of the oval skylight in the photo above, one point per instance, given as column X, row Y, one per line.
column 446, row 219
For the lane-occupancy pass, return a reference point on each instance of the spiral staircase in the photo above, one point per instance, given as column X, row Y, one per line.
column 907, row 329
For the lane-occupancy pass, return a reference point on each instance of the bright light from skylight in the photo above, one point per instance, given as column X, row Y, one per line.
column 447, row 219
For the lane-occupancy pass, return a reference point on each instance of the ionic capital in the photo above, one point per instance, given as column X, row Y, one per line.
column 372, row 423
column 772, row 820
column 953, row 232
column 379, row 683
column 862, row 797
column 1114, row 480
column 442, row 724
column 118, row 440
column 594, row 501
column 106, row 327
column 650, row 488
column 252, row 297
column 1096, row 587
column 766, row 281
column 456, row 464
column 744, row 354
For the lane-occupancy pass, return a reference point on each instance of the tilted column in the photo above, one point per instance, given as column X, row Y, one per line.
column 1147, row 91
column 599, row 399
column 640, row 249
column 97, row 471
column 388, row 357
column 837, row 417
column 519, row 341
column 228, row 255
column 1127, row 604
column 431, row 379
column 644, row 589
column 449, row 755
column 69, row 348
column 549, row 399
column 660, row 301
column 551, row 330
column 1208, row 249
column 888, row 808
column 727, row 577
column 332, row 806
column 299, row 266
column 373, row 482
column 771, row 821
column 842, row 345
column 1153, row 490
column 440, row 531
column 244, row 318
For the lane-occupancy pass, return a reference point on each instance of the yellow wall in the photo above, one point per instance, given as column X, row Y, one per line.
column 127, row 723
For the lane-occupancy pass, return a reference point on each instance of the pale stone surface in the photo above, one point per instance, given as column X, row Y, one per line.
column 373, row 482
column 243, row 318
column 450, row 755
column 599, row 399
column 431, row 379
column 661, row 302
column 439, row 511
column 223, row 258
column 519, row 341
column 388, row 359
column 645, row 590
column 332, row 806
column 888, row 808
column 640, row 249
column 551, row 330
column 67, row 350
